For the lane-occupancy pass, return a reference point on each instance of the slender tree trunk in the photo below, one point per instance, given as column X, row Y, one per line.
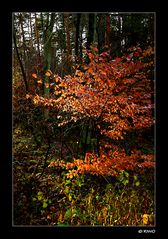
column 101, row 32
column 23, row 40
column 91, row 30
column 78, row 17
column 47, row 37
column 81, row 54
column 68, row 43
column 37, row 36
column 31, row 31
column 20, row 62
column 107, row 33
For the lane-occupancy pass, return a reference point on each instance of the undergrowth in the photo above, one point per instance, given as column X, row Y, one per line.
column 45, row 196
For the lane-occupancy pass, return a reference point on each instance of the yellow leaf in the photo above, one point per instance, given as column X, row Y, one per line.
column 48, row 73
column 61, row 84
column 145, row 219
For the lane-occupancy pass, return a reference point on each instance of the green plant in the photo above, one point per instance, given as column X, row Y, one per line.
column 123, row 177
column 44, row 202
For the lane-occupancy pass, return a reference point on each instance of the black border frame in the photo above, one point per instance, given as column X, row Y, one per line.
column 6, row 135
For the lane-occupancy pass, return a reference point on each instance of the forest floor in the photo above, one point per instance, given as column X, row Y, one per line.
column 43, row 195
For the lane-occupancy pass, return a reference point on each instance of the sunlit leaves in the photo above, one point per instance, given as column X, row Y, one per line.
column 48, row 73
column 34, row 75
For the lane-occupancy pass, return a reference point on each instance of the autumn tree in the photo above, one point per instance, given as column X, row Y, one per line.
column 112, row 97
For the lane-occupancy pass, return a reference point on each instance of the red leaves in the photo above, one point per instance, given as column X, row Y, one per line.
column 101, row 90
column 90, row 70
column 110, row 92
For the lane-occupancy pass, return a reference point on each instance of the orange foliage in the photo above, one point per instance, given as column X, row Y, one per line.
column 115, row 93
column 110, row 163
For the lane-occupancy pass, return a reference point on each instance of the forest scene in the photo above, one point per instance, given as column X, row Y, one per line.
column 83, row 102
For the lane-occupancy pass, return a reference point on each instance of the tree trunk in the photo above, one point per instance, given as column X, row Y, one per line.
column 101, row 32
column 37, row 36
column 81, row 54
column 77, row 37
column 47, row 37
column 20, row 62
column 107, row 33
column 68, row 43
column 91, row 30
column 23, row 43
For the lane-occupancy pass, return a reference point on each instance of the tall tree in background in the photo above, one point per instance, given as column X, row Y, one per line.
column 57, row 41
column 20, row 62
column 107, row 35
column 68, row 42
column 37, row 35
column 91, row 29
column 78, row 18
column 21, row 20
column 137, row 29
column 47, row 39
column 100, row 28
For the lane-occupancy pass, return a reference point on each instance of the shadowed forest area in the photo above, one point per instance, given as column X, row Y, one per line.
column 83, row 119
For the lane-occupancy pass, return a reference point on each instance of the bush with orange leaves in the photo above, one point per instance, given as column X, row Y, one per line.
column 107, row 164
column 117, row 95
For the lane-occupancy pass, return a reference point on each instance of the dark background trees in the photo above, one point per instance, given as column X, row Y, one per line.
column 56, row 41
